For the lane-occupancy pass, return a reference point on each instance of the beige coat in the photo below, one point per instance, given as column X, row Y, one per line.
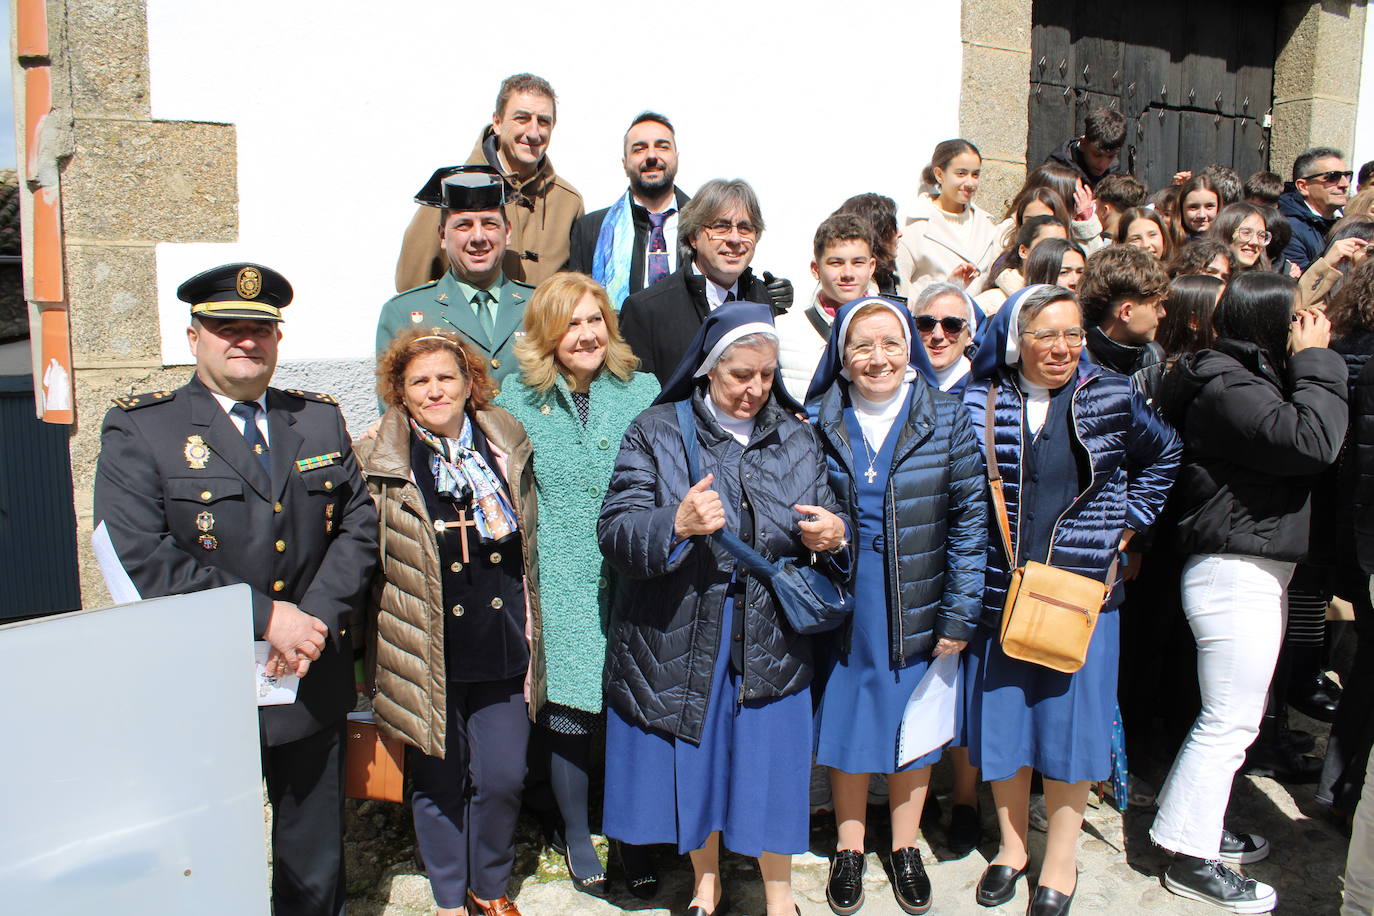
column 931, row 247
column 541, row 218
column 406, row 652
column 1317, row 282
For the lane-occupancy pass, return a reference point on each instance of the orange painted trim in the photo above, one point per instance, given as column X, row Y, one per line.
column 32, row 30
column 37, row 107
column 46, row 260
column 55, row 368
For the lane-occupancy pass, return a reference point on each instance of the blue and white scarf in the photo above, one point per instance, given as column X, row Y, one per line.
column 615, row 246
column 459, row 470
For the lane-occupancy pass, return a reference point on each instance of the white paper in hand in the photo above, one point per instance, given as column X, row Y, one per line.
column 273, row 691
column 928, row 720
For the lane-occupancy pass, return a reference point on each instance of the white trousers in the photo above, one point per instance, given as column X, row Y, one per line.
column 1235, row 606
column 1359, row 861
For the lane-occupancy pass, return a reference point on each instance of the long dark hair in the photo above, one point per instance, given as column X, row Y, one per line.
column 945, row 151
column 1187, row 323
column 1047, row 260
column 1351, row 307
column 1055, row 176
column 1257, row 308
column 1225, row 226
column 1011, row 256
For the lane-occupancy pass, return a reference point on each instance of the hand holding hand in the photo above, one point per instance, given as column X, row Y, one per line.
column 700, row 511
column 948, row 646
column 295, row 635
column 1310, row 329
column 823, row 534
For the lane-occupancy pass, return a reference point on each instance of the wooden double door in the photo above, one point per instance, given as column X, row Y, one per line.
column 1194, row 79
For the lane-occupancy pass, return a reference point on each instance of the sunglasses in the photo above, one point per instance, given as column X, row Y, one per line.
column 1329, row 177
column 952, row 326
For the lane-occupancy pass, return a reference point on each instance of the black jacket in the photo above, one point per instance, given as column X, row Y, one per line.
column 659, row 322
column 667, row 617
column 188, row 507
column 935, row 515
column 1124, row 359
column 1309, row 230
column 1068, row 155
column 1254, row 443
column 1361, row 457
column 582, row 244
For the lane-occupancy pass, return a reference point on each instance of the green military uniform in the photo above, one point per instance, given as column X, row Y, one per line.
column 446, row 304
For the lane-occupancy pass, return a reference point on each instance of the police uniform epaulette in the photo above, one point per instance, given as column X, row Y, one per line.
column 312, row 395
column 135, row 401
column 403, row 292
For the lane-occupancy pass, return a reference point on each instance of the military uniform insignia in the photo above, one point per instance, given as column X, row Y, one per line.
column 312, row 395
column 205, row 522
column 319, row 461
column 328, row 518
column 249, row 282
column 443, row 297
column 197, row 453
column 208, row 542
column 417, row 317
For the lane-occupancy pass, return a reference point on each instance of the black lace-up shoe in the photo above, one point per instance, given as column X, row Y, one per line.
column 1243, row 848
column 1212, row 882
column 845, row 889
column 910, row 885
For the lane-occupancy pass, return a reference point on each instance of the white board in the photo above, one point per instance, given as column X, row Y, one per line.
column 130, row 776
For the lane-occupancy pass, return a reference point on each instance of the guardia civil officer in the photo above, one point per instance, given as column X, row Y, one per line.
column 474, row 296
column 223, row 481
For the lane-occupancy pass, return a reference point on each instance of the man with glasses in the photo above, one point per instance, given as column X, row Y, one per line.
column 1321, row 184
column 717, row 234
column 1122, row 296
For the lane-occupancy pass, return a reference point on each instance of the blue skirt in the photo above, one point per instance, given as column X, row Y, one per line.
column 863, row 697
column 748, row 778
column 1018, row 714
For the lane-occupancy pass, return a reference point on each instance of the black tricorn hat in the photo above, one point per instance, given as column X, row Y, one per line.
column 434, row 194
column 241, row 290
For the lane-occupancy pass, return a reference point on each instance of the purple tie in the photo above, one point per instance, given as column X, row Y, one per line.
column 657, row 267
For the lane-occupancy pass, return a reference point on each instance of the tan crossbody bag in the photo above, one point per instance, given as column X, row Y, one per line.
column 1050, row 613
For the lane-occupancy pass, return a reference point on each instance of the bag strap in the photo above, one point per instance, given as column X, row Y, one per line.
column 999, row 500
column 754, row 561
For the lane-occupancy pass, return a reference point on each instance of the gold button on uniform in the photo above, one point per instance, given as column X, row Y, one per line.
column 457, row 610
column 496, row 558
column 440, row 524
column 456, row 567
column 497, row 603
column 329, row 484
column 276, row 507
column 278, row 585
column 281, row 547
column 205, row 494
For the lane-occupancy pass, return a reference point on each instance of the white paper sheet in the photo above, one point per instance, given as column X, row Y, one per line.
column 929, row 717
column 273, row 691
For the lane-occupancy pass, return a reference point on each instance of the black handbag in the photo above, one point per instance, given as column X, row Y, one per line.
column 810, row 601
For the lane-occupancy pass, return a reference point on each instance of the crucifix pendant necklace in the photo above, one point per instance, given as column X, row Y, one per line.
column 872, row 459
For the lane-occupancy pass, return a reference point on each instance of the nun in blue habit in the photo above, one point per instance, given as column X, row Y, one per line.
column 904, row 462
column 708, row 735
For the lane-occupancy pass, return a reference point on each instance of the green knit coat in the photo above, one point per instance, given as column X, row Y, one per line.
column 572, row 469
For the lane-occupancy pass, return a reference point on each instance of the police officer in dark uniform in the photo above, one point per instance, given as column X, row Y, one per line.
column 473, row 297
column 223, row 481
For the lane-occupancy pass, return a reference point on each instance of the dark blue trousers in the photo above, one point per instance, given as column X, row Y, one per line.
column 465, row 805
column 306, row 788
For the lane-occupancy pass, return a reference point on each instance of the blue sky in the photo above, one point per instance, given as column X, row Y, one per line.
column 7, row 157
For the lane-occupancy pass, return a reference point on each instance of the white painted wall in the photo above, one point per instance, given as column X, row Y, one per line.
column 1364, row 111
column 343, row 108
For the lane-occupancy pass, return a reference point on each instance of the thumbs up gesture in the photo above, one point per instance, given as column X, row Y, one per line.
column 700, row 511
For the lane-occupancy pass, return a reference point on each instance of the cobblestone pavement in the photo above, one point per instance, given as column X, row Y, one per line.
column 1119, row 868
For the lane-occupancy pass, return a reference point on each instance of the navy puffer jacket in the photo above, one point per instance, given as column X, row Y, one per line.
column 935, row 514
column 1309, row 230
column 1132, row 455
column 667, row 615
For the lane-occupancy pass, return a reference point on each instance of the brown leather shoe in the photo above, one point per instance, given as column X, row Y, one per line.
column 501, row 906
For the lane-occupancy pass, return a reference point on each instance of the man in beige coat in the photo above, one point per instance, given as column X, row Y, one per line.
column 540, row 206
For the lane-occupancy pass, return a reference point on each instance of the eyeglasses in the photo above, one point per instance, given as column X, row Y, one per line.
column 721, row 229
column 1250, row 235
column 866, row 349
column 951, row 325
column 1048, row 337
column 1330, row 177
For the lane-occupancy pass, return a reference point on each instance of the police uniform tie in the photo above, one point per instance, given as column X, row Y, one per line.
column 482, row 304
column 247, row 411
column 658, row 248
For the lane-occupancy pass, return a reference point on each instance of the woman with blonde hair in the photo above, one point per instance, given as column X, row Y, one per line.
column 576, row 393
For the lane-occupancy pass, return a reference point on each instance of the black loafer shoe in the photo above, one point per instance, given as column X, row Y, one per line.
column 998, row 884
column 965, row 830
column 640, row 877
column 722, row 908
column 845, row 889
column 910, row 884
column 1046, row 901
column 593, row 885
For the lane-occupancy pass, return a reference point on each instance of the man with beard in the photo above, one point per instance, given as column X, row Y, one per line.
column 625, row 247
column 540, row 206
column 717, row 234
column 474, row 296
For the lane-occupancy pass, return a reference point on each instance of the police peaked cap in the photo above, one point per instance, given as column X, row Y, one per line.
column 240, row 290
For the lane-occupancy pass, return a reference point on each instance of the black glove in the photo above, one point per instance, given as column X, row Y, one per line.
column 779, row 291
